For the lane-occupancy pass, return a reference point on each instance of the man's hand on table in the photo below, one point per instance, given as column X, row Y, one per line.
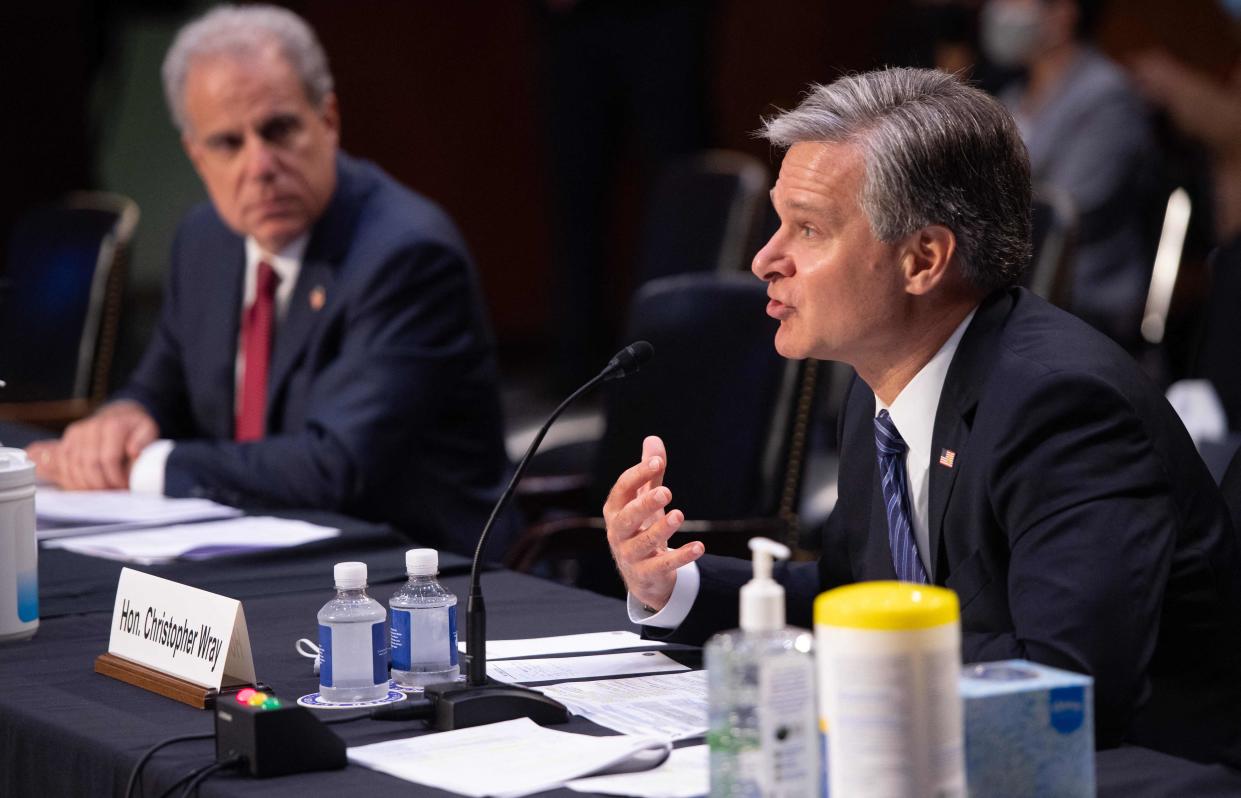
column 96, row 453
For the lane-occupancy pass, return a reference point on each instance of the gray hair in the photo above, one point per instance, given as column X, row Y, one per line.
column 244, row 32
column 936, row 152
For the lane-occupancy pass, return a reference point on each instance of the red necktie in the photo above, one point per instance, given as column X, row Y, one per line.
column 256, row 334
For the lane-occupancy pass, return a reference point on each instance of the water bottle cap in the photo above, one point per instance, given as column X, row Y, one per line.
column 16, row 469
column 350, row 574
column 422, row 562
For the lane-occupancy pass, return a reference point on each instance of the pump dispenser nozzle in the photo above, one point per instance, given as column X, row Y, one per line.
column 762, row 598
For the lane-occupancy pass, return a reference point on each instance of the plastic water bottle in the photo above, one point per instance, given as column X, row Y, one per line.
column 352, row 640
column 424, row 625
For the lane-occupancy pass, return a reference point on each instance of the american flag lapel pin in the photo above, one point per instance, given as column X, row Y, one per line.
column 318, row 298
column 947, row 457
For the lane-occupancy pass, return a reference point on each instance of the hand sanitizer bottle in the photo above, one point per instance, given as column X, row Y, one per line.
column 353, row 642
column 762, row 731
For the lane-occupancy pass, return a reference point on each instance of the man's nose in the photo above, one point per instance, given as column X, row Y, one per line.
column 771, row 261
column 260, row 159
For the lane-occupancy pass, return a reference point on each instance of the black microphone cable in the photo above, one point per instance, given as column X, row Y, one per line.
column 197, row 777
column 136, row 772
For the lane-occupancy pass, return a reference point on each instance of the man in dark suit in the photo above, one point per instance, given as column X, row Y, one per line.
column 990, row 443
column 322, row 342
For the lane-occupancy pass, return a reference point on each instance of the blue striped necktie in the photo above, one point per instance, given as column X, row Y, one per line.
column 891, row 447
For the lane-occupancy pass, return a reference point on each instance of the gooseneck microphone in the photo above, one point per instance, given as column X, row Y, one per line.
column 477, row 702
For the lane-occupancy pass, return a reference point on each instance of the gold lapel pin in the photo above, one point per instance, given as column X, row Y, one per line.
column 318, row 298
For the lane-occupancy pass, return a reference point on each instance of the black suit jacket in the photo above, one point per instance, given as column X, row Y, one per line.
column 382, row 402
column 1077, row 525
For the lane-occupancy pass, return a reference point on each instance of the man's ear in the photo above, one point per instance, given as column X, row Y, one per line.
column 927, row 257
column 330, row 112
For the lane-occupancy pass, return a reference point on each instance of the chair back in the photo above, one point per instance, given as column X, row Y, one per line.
column 702, row 214
column 724, row 402
column 1053, row 234
column 60, row 296
column 1230, row 486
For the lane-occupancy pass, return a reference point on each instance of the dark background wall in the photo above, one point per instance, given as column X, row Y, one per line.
column 452, row 98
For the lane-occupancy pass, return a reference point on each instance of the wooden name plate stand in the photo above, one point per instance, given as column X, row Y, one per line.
column 181, row 690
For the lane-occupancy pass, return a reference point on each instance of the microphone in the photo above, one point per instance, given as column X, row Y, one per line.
column 477, row 702
column 628, row 361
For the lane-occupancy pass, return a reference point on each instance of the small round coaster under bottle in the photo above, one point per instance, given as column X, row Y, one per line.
column 316, row 701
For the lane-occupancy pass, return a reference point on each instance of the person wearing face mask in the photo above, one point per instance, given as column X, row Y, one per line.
column 1089, row 136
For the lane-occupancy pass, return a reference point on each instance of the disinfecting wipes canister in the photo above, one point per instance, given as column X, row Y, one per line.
column 889, row 658
column 19, row 584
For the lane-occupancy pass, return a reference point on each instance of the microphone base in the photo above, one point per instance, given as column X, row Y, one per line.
column 459, row 706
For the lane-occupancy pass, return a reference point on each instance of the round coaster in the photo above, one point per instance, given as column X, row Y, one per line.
column 316, row 701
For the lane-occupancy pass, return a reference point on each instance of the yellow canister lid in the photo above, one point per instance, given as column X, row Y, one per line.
column 887, row 606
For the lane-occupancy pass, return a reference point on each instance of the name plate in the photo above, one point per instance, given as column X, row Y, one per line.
column 180, row 631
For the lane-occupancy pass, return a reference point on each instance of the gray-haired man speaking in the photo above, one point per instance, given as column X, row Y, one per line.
column 322, row 342
column 990, row 443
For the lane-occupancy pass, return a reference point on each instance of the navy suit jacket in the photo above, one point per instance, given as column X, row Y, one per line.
column 382, row 402
column 1077, row 525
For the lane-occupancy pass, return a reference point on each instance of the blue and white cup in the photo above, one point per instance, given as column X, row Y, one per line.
column 19, row 551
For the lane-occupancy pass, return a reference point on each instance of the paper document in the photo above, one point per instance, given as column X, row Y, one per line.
column 200, row 541
column 671, row 705
column 589, row 667
column 564, row 644
column 684, row 775
column 513, row 758
column 68, row 513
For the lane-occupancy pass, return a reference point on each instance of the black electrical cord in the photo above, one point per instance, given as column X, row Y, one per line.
column 142, row 760
column 176, row 785
column 199, row 776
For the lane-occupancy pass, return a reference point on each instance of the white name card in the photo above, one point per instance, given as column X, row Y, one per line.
column 180, row 630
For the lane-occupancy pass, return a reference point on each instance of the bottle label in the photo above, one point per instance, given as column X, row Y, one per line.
column 788, row 727
column 398, row 622
column 325, row 655
column 352, row 653
column 452, row 635
column 424, row 638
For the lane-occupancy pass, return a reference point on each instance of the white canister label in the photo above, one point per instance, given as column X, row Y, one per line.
column 889, row 703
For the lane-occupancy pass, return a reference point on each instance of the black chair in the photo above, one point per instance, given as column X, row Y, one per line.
column 731, row 411
column 1230, row 486
column 1053, row 234
column 60, row 301
column 702, row 214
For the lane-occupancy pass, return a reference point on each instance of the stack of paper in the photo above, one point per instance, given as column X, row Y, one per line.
column 513, row 758
column 684, row 775
column 595, row 666
column 68, row 513
column 196, row 541
column 672, row 705
column 564, row 644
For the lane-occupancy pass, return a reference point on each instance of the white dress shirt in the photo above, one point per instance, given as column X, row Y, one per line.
column 913, row 412
column 147, row 475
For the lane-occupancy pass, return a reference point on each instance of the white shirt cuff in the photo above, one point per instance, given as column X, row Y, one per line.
column 147, row 475
column 679, row 603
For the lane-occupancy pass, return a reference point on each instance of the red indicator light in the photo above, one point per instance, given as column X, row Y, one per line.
column 243, row 696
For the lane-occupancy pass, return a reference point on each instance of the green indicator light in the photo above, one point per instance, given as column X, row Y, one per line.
column 271, row 703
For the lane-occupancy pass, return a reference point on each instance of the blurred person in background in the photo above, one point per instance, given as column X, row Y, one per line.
column 1089, row 137
column 1209, row 111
